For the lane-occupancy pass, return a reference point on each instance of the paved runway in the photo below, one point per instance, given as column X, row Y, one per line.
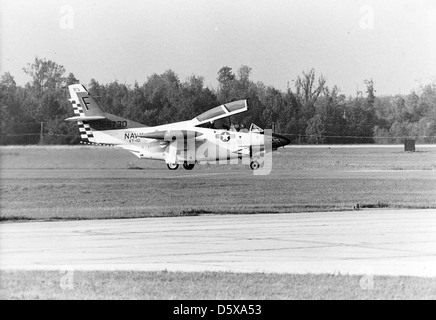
column 379, row 242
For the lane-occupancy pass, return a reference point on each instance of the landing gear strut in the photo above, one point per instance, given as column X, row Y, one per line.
column 188, row 166
column 172, row 166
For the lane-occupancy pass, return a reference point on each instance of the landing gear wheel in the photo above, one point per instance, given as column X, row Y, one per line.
column 254, row 165
column 172, row 166
column 188, row 166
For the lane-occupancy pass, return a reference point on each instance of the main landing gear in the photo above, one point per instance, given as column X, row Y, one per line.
column 172, row 166
column 188, row 166
column 175, row 166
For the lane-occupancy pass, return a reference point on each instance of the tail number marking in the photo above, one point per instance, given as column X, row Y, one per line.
column 112, row 124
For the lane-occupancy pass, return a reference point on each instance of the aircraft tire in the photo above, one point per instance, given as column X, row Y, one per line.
column 188, row 166
column 254, row 165
column 172, row 166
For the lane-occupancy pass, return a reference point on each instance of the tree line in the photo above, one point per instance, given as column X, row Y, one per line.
column 310, row 112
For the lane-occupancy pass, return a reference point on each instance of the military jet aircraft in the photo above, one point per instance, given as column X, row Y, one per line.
column 187, row 142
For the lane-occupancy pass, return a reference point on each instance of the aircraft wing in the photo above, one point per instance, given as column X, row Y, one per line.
column 222, row 111
column 167, row 135
column 133, row 149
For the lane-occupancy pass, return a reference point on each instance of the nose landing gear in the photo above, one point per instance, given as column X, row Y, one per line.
column 254, row 165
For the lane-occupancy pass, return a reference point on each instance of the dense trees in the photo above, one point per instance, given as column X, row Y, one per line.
column 311, row 112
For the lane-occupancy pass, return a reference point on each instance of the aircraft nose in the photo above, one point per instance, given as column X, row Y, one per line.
column 279, row 141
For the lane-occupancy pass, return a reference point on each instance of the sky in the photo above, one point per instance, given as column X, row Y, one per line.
column 392, row 42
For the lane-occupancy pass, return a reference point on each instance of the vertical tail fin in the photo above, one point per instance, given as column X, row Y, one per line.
column 84, row 105
column 91, row 118
column 85, row 109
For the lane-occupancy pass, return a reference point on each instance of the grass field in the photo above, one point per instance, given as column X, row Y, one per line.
column 45, row 183
column 100, row 183
column 209, row 285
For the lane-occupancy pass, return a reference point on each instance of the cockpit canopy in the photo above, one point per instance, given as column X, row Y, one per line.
column 212, row 113
column 223, row 111
column 255, row 128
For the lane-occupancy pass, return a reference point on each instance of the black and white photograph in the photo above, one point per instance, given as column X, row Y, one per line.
column 217, row 155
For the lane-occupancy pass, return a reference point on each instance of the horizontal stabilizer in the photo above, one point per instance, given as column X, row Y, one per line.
column 85, row 118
